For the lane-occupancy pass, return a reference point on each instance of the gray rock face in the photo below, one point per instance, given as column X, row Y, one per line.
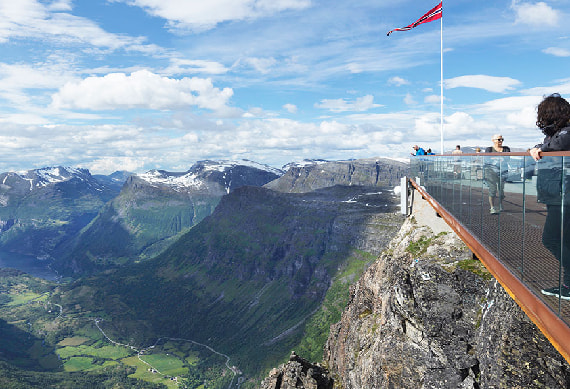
column 296, row 374
column 427, row 315
column 314, row 175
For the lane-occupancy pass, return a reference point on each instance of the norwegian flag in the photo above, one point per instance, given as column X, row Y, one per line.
column 430, row 16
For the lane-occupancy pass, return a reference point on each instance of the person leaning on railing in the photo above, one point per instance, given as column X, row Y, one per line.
column 553, row 118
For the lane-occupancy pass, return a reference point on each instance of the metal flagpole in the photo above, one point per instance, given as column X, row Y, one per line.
column 441, row 77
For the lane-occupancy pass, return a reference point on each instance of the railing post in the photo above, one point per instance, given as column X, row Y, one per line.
column 404, row 195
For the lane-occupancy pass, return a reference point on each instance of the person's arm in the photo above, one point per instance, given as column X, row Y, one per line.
column 558, row 142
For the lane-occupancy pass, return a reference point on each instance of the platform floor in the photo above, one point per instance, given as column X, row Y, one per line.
column 514, row 236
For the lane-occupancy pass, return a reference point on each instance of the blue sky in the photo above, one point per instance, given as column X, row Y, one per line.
column 142, row 84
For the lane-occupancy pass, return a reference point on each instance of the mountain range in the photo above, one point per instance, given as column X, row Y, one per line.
column 248, row 260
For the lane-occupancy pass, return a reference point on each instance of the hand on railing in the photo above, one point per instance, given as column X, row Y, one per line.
column 535, row 153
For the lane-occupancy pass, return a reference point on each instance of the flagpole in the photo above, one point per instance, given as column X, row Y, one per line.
column 441, row 79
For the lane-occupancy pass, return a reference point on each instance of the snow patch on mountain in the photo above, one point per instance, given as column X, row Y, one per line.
column 224, row 165
column 52, row 175
column 174, row 180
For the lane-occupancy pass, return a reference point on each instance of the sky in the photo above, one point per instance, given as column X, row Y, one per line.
column 137, row 85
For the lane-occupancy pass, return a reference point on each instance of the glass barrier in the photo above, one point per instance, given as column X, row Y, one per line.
column 519, row 209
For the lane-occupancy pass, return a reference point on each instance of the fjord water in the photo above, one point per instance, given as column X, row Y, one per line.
column 28, row 264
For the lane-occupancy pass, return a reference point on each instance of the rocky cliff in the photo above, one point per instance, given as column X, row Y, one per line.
column 315, row 174
column 428, row 315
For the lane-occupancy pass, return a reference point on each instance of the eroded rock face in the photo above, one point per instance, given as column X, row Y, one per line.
column 427, row 315
column 296, row 374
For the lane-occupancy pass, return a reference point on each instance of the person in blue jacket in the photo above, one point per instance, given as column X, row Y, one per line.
column 553, row 186
column 418, row 150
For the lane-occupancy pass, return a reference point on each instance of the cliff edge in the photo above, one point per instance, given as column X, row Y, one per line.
column 427, row 314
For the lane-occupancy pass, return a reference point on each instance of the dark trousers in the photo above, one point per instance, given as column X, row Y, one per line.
column 554, row 241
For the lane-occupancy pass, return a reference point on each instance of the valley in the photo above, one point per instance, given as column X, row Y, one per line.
column 267, row 271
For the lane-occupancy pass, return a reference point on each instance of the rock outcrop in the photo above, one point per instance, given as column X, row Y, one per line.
column 296, row 374
column 428, row 315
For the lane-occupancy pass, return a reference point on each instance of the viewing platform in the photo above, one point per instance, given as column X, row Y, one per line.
column 500, row 204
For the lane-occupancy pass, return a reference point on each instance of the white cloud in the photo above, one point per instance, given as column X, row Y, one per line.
column 557, row 52
column 291, row 108
column 142, row 89
column 262, row 65
column 563, row 87
column 409, row 99
column 202, row 15
column 342, row 105
column 186, row 66
column 480, row 81
column 537, row 14
column 398, row 81
column 432, row 99
column 36, row 20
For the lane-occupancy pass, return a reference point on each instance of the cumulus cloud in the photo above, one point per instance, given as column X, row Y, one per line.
column 398, row 81
column 342, row 105
column 557, row 51
column 202, row 15
column 480, row 81
column 537, row 14
column 141, row 89
column 291, row 108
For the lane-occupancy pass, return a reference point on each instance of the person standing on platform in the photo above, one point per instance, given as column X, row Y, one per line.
column 457, row 162
column 553, row 119
column 495, row 173
column 418, row 151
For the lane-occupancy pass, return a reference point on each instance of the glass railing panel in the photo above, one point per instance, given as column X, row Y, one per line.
column 528, row 230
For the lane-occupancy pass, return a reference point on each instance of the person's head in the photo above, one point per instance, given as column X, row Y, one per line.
column 497, row 140
column 415, row 147
column 553, row 114
column 458, row 147
column 477, row 149
column 429, row 150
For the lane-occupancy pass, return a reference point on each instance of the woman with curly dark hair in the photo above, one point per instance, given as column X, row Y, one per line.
column 552, row 185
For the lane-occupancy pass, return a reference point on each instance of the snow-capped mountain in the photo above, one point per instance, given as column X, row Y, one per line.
column 213, row 175
column 39, row 178
column 41, row 208
column 156, row 206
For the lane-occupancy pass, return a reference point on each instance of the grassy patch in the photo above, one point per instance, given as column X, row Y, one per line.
column 143, row 373
column 78, row 364
column 73, row 341
column 420, row 246
column 167, row 364
column 24, row 298
column 106, row 352
column 476, row 267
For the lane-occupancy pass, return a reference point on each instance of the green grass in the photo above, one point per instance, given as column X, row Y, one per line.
column 78, row 364
column 166, row 364
column 475, row 266
column 106, row 352
column 142, row 372
column 24, row 298
column 73, row 341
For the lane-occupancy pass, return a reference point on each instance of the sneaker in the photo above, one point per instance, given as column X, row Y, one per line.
column 555, row 291
column 494, row 211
